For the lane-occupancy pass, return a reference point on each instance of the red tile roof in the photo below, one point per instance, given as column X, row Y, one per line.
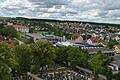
column 21, row 26
column 10, row 42
column 118, row 46
column 96, row 40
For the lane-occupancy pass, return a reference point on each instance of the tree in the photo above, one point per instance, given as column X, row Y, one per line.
column 77, row 57
column 62, row 56
column 2, row 26
column 108, row 73
column 112, row 43
column 7, row 62
column 72, row 55
column 24, row 59
column 8, row 31
column 99, row 62
column 29, row 41
column 31, row 30
column 43, row 54
column 116, row 76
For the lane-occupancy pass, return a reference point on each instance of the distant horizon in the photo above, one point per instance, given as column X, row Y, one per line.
column 102, row 11
column 104, row 22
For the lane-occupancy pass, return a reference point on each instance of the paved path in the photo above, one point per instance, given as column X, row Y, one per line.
column 33, row 76
column 20, row 42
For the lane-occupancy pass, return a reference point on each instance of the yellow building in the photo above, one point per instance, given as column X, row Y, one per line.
column 117, row 49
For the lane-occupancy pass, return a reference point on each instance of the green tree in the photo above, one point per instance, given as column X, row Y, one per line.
column 77, row 57
column 24, row 59
column 108, row 73
column 29, row 41
column 43, row 54
column 7, row 62
column 2, row 26
column 71, row 56
column 62, row 55
column 31, row 30
column 111, row 43
column 98, row 63
column 116, row 76
column 8, row 31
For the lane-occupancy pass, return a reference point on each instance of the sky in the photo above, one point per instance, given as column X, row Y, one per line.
column 107, row 11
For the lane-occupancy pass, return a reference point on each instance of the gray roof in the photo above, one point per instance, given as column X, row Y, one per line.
column 50, row 36
column 84, row 45
column 117, row 59
column 103, row 50
column 40, row 36
column 35, row 35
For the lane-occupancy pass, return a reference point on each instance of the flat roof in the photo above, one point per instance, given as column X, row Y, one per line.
column 81, row 44
column 117, row 59
column 64, row 43
column 103, row 50
column 35, row 35
column 41, row 36
column 84, row 45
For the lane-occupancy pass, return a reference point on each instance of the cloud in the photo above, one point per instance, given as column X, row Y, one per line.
column 89, row 10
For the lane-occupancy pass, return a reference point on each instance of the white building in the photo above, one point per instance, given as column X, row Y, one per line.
column 66, row 43
column 22, row 28
column 9, row 23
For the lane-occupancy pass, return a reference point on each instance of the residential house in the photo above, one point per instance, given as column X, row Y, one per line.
column 22, row 28
column 77, row 38
column 117, row 48
column 95, row 41
column 3, row 23
column 117, row 38
column 94, row 35
column 9, row 23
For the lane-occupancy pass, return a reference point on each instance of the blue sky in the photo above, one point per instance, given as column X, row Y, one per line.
column 81, row 10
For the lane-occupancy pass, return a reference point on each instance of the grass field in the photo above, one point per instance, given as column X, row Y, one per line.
column 42, row 32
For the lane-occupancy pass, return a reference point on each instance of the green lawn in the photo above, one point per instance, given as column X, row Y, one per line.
column 42, row 32
column 21, row 33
